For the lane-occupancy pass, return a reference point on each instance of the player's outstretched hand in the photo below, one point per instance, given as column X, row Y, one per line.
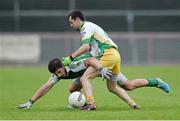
column 27, row 105
column 105, row 73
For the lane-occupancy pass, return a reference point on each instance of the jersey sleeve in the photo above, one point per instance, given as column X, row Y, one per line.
column 54, row 78
column 87, row 33
column 77, row 66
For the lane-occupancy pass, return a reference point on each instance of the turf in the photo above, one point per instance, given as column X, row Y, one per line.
column 18, row 84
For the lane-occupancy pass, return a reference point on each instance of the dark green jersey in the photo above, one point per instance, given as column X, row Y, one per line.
column 73, row 75
column 74, row 70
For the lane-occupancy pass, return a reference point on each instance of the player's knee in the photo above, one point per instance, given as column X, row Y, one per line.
column 72, row 89
column 112, row 90
column 128, row 86
column 88, row 61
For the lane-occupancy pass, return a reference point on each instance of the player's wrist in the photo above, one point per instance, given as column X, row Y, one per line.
column 31, row 101
column 100, row 69
column 71, row 57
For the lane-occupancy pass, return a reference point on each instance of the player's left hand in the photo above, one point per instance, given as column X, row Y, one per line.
column 67, row 60
column 27, row 105
column 105, row 73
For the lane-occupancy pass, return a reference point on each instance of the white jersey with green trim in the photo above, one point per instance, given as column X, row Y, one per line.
column 96, row 37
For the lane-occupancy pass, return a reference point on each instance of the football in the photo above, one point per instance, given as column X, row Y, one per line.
column 77, row 99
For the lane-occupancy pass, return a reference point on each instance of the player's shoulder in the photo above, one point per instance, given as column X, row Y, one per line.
column 88, row 28
column 89, row 24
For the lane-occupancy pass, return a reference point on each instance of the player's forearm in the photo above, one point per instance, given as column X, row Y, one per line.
column 93, row 62
column 47, row 90
column 83, row 49
column 41, row 91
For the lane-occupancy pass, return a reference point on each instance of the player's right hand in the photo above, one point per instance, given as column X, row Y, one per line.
column 27, row 105
column 67, row 61
column 105, row 73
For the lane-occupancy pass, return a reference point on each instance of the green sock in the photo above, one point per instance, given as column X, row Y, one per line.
column 152, row 82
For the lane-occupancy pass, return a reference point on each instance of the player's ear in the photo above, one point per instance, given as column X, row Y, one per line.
column 63, row 66
column 78, row 19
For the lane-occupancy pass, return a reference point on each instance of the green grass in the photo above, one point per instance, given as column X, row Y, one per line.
column 18, row 84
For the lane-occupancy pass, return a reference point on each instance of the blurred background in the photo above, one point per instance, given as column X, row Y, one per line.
column 35, row 31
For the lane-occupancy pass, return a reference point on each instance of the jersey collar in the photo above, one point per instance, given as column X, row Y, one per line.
column 82, row 24
column 67, row 70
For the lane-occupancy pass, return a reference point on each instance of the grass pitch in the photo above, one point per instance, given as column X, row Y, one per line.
column 18, row 84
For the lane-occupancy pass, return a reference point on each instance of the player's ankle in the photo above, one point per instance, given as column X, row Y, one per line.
column 90, row 100
column 132, row 103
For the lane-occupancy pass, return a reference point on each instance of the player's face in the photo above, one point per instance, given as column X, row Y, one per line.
column 75, row 23
column 60, row 72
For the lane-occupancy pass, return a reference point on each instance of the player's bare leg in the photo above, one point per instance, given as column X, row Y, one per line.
column 137, row 83
column 86, row 79
column 111, row 85
column 75, row 86
column 86, row 82
column 133, row 84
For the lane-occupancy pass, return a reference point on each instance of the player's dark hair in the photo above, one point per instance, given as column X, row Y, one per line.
column 76, row 14
column 54, row 64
